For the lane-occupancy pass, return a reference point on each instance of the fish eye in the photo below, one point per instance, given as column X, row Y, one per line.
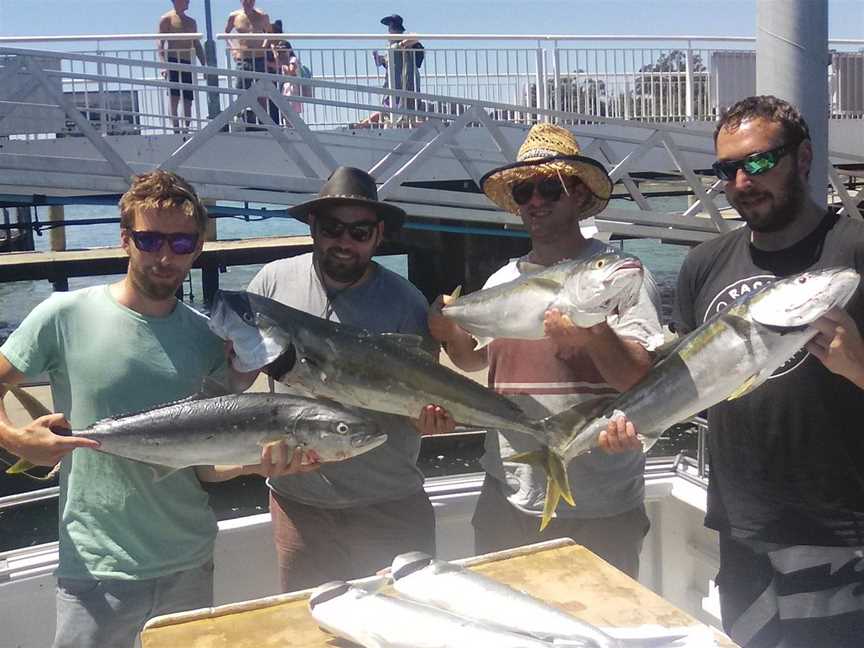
column 802, row 280
column 600, row 263
column 342, row 427
column 248, row 318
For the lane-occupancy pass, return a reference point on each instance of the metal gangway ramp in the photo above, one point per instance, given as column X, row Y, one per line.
column 76, row 124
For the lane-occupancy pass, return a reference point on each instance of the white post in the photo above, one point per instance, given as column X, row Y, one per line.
column 688, row 86
column 792, row 63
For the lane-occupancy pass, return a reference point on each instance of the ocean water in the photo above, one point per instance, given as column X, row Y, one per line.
column 17, row 299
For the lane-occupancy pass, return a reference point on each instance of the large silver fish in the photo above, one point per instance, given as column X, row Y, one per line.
column 386, row 373
column 378, row 621
column 727, row 357
column 232, row 430
column 467, row 593
column 587, row 291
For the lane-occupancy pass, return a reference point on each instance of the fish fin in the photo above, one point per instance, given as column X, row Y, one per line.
column 23, row 467
column 482, row 342
column 29, row 402
column 557, row 482
column 747, row 386
column 559, row 428
column 664, row 350
column 654, row 641
column 526, row 267
column 457, row 291
column 20, row 467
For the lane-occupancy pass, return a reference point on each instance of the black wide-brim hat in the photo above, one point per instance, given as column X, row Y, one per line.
column 351, row 186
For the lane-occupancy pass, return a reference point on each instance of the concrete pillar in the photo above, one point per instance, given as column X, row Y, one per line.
column 792, row 63
column 57, row 235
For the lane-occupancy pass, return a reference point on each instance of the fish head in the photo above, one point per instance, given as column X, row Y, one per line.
column 330, row 591
column 803, row 298
column 409, row 563
column 243, row 318
column 335, row 432
column 604, row 284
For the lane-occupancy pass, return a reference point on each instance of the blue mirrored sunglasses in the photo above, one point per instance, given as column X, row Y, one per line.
column 179, row 242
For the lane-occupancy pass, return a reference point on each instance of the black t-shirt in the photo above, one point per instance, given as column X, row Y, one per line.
column 787, row 460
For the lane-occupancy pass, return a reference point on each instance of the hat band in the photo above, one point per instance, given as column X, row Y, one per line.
column 538, row 153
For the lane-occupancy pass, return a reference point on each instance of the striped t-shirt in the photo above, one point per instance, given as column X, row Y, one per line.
column 531, row 373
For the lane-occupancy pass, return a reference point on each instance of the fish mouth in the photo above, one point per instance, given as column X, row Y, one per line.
column 372, row 440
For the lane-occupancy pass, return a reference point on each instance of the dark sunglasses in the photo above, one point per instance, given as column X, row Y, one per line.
column 333, row 228
column 752, row 165
column 180, row 242
column 549, row 189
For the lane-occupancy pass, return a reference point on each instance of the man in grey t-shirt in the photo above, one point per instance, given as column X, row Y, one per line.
column 351, row 518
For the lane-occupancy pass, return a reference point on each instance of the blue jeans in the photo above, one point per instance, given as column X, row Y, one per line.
column 111, row 613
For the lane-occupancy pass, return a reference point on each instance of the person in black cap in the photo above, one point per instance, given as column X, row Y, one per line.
column 402, row 63
column 350, row 518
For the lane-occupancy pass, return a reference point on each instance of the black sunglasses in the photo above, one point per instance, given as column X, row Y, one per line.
column 752, row 165
column 179, row 242
column 549, row 189
column 333, row 228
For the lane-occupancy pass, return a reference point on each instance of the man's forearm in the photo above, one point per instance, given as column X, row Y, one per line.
column 462, row 352
column 622, row 363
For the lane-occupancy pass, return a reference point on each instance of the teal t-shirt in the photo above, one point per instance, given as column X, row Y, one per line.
column 116, row 520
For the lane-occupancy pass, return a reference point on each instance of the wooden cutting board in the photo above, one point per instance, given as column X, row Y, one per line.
column 560, row 572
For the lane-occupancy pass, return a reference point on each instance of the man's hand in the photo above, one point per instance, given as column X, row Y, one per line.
column 839, row 346
column 276, row 461
column 434, row 420
column 39, row 445
column 566, row 336
column 443, row 328
column 619, row 436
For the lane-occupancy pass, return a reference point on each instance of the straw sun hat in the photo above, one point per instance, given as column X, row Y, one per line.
column 549, row 150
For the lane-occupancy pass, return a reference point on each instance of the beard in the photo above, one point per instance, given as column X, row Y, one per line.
column 151, row 287
column 775, row 210
column 343, row 270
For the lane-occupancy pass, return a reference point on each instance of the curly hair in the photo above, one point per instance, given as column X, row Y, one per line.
column 161, row 190
column 769, row 108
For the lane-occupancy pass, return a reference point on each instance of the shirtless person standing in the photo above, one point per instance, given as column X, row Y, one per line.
column 179, row 51
column 249, row 54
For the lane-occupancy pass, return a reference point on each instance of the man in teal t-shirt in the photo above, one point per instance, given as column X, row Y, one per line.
column 131, row 547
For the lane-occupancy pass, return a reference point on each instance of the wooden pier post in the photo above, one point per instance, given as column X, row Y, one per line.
column 57, row 242
column 210, row 271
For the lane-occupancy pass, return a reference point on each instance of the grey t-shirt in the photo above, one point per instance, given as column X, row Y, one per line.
column 386, row 303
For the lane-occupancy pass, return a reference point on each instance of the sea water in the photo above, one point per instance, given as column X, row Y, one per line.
column 18, row 298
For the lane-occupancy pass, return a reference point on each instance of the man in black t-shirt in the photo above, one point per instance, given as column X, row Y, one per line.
column 786, row 490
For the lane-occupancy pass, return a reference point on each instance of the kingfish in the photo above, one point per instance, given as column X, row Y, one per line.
column 729, row 356
column 469, row 594
column 587, row 291
column 232, row 429
column 375, row 620
column 386, row 373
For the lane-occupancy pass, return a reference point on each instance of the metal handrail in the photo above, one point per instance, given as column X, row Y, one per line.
column 100, row 37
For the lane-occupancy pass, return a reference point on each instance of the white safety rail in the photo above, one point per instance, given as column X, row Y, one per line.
column 258, row 145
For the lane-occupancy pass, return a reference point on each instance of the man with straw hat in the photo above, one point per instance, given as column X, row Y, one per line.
column 553, row 187
column 350, row 518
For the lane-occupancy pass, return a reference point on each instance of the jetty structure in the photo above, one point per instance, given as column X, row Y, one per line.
column 80, row 115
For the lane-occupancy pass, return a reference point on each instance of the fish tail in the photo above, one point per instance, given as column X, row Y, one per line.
column 29, row 402
column 557, row 482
